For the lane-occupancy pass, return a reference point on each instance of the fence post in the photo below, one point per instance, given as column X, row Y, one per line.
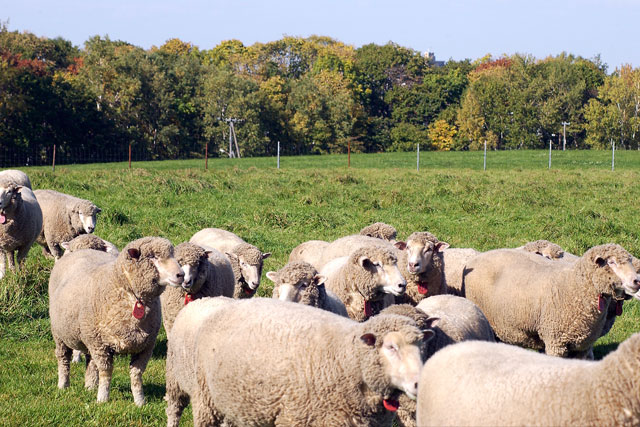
column 53, row 166
column 613, row 154
column 278, row 154
column 484, row 165
column 418, row 161
column 549, row 154
column 349, row 153
column 206, row 156
column 129, row 155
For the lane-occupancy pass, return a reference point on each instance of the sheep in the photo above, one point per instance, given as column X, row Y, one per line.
column 380, row 230
column 323, row 369
column 487, row 384
column 20, row 224
column 246, row 260
column 453, row 319
column 454, row 260
column 344, row 246
column 104, row 305
column 310, row 251
column 545, row 248
column 366, row 281
column 299, row 282
column 15, row 176
column 206, row 274
column 64, row 217
column 421, row 263
column 89, row 241
column 557, row 306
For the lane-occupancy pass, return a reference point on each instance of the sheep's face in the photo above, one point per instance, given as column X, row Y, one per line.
column 7, row 194
column 387, row 275
column 420, row 255
column 402, row 362
column 88, row 222
column 305, row 290
column 250, row 268
column 169, row 271
column 626, row 272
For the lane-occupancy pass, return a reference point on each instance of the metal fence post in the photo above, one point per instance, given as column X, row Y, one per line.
column 484, row 165
column 53, row 166
column 549, row 154
column 613, row 154
column 278, row 154
column 418, row 161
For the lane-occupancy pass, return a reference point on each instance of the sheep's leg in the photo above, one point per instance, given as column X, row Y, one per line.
column 202, row 415
column 21, row 256
column 104, row 364
column 136, row 367
column 77, row 356
column 176, row 402
column 63, row 354
column 3, row 263
column 558, row 350
column 90, row 373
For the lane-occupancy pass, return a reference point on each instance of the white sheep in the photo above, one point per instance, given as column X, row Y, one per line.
column 366, row 281
column 89, row 241
column 298, row 281
column 544, row 248
column 104, row 305
column 453, row 319
column 380, row 230
column 20, row 224
column 64, row 218
column 557, row 306
column 207, row 273
column 246, row 259
column 454, row 260
column 309, row 251
column 267, row 362
column 487, row 384
column 17, row 177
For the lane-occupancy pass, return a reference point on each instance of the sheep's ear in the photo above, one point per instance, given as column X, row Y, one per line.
column 232, row 256
column 98, row 210
column 65, row 245
column 133, row 253
column 601, row 262
column 369, row 339
column 266, row 255
column 272, row 275
column 400, row 245
column 428, row 335
column 319, row 279
column 365, row 262
column 441, row 246
column 432, row 322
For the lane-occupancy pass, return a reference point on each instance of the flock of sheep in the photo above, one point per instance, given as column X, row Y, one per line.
column 355, row 333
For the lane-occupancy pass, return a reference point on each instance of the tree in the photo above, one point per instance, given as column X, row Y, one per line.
column 441, row 134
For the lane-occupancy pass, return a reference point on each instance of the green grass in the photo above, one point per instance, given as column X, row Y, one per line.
column 578, row 204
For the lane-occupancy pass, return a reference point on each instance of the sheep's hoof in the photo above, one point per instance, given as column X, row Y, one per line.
column 139, row 401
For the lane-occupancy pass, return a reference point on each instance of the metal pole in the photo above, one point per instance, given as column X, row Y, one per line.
column 564, row 134
column 129, row 155
column 613, row 154
column 206, row 156
column 231, row 155
column 549, row 154
column 418, row 164
column 349, row 153
column 53, row 166
column 278, row 154
column 484, row 166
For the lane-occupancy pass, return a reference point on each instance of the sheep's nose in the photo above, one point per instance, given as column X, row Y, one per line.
column 413, row 265
column 402, row 285
column 180, row 275
column 90, row 229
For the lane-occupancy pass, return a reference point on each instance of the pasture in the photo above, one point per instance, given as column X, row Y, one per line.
column 579, row 203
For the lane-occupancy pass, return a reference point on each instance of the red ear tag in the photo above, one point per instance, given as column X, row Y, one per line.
column 391, row 405
column 601, row 303
column 3, row 219
column 619, row 308
column 247, row 291
column 367, row 309
column 187, row 298
column 138, row 310
column 422, row 288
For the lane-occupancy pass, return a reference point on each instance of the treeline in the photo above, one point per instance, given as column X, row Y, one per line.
column 313, row 95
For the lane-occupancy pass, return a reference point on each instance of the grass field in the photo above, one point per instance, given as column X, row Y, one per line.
column 579, row 203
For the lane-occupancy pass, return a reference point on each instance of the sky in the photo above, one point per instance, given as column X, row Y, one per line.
column 451, row 29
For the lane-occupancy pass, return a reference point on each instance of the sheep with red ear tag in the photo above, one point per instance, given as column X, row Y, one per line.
column 103, row 305
column 270, row 362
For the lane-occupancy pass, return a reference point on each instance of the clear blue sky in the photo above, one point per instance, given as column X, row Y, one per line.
column 456, row 29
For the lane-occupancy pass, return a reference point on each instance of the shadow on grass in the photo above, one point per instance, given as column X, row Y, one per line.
column 599, row 351
column 160, row 350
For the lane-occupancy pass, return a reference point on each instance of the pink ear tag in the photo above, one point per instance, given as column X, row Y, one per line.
column 619, row 308
column 391, row 405
column 422, row 288
column 367, row 309
column 187, row 298
column 601, row 303
column 3, row 219
column 138, row 310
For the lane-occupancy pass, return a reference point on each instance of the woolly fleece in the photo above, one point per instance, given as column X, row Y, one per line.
column 380, row 230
